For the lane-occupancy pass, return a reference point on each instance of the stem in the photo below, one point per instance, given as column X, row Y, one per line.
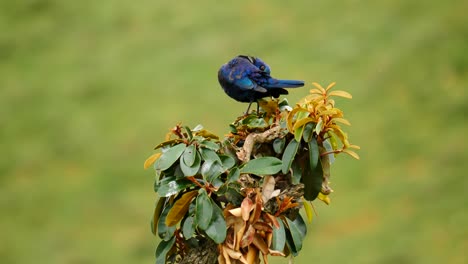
column 331, row 152
column 192, row 179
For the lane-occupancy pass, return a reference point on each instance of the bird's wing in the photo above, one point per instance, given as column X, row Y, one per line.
column 246, row 83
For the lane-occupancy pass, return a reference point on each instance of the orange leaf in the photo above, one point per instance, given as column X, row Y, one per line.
column 262, row 226
column 180, row 208
column 252, row 255
column 272, row 219
column 257, row 210
column 248, row 237
column 149, row 161
column 246, row 208
column 260, row 244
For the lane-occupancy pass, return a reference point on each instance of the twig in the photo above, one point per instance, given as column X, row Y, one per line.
column 245, row 152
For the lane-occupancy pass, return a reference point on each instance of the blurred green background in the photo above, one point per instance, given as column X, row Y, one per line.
column 87, row 88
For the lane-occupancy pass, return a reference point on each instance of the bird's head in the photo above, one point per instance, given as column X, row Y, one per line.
column 261, row 65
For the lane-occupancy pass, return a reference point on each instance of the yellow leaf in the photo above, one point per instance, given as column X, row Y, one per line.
column 168, row 142
column 207, row 134
column 269, row 106
column 354, row 146
column 291, row 117
column 319, row 87
column 303, row 122
column 341, row 120
column 341, row 94
column 351, row 153
column 332, row 111
column 341, row 135
column 324, row 198
column 180, row 208
column 318, row 127
column 315, row 91
column 149, row 161
column 309, row 211
column 330, row 86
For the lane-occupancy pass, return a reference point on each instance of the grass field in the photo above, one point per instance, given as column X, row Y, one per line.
column 87, row 88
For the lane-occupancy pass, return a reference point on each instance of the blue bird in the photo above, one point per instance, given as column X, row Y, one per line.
column 247, row 79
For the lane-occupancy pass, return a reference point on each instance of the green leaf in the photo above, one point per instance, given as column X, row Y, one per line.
column 210, row 170
column 232, row 128
column 227, row 161
column 253, row 121
column 296, row 172
column 165, row 232
column 301, row 115
column 284, row 105
column 298, row 133
column 313, row 153
column 163, row 248
column 217, row 228
column 210, row 145
column 301, row 225
column 209, row 155
column 278, row 240
column 217, row 182
column 188, row 227
column 289, row 154
column 204, row 210
column 170, row 156
column 333, row 140
column 278, row 145
column 190, row 170
column 297, row 230
column 157, row 213
column 233, row 175
column 308, row 132
column 170, row 186
column 199, row 127
column 262, row 166
column 232, row 194
column 189, row 132
column 189, row 155
column 329, row 148
column 169, row 142
column 312, row 177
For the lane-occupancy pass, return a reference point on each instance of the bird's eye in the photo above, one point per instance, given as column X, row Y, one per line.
column 262, row 67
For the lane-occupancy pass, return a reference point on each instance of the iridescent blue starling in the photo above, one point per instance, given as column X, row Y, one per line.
column 247, row 79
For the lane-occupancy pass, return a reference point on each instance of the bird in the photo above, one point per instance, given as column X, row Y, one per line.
column 247, row 79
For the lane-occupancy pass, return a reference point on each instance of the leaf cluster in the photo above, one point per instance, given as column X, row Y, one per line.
column 244, row 192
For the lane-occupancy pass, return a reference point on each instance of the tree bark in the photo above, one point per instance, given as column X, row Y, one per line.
column 205, row 253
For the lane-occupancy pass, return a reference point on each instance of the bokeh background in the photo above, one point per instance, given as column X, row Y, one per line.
column 87, row 88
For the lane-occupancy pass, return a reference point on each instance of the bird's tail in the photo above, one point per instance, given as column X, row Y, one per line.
column 276, row 83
